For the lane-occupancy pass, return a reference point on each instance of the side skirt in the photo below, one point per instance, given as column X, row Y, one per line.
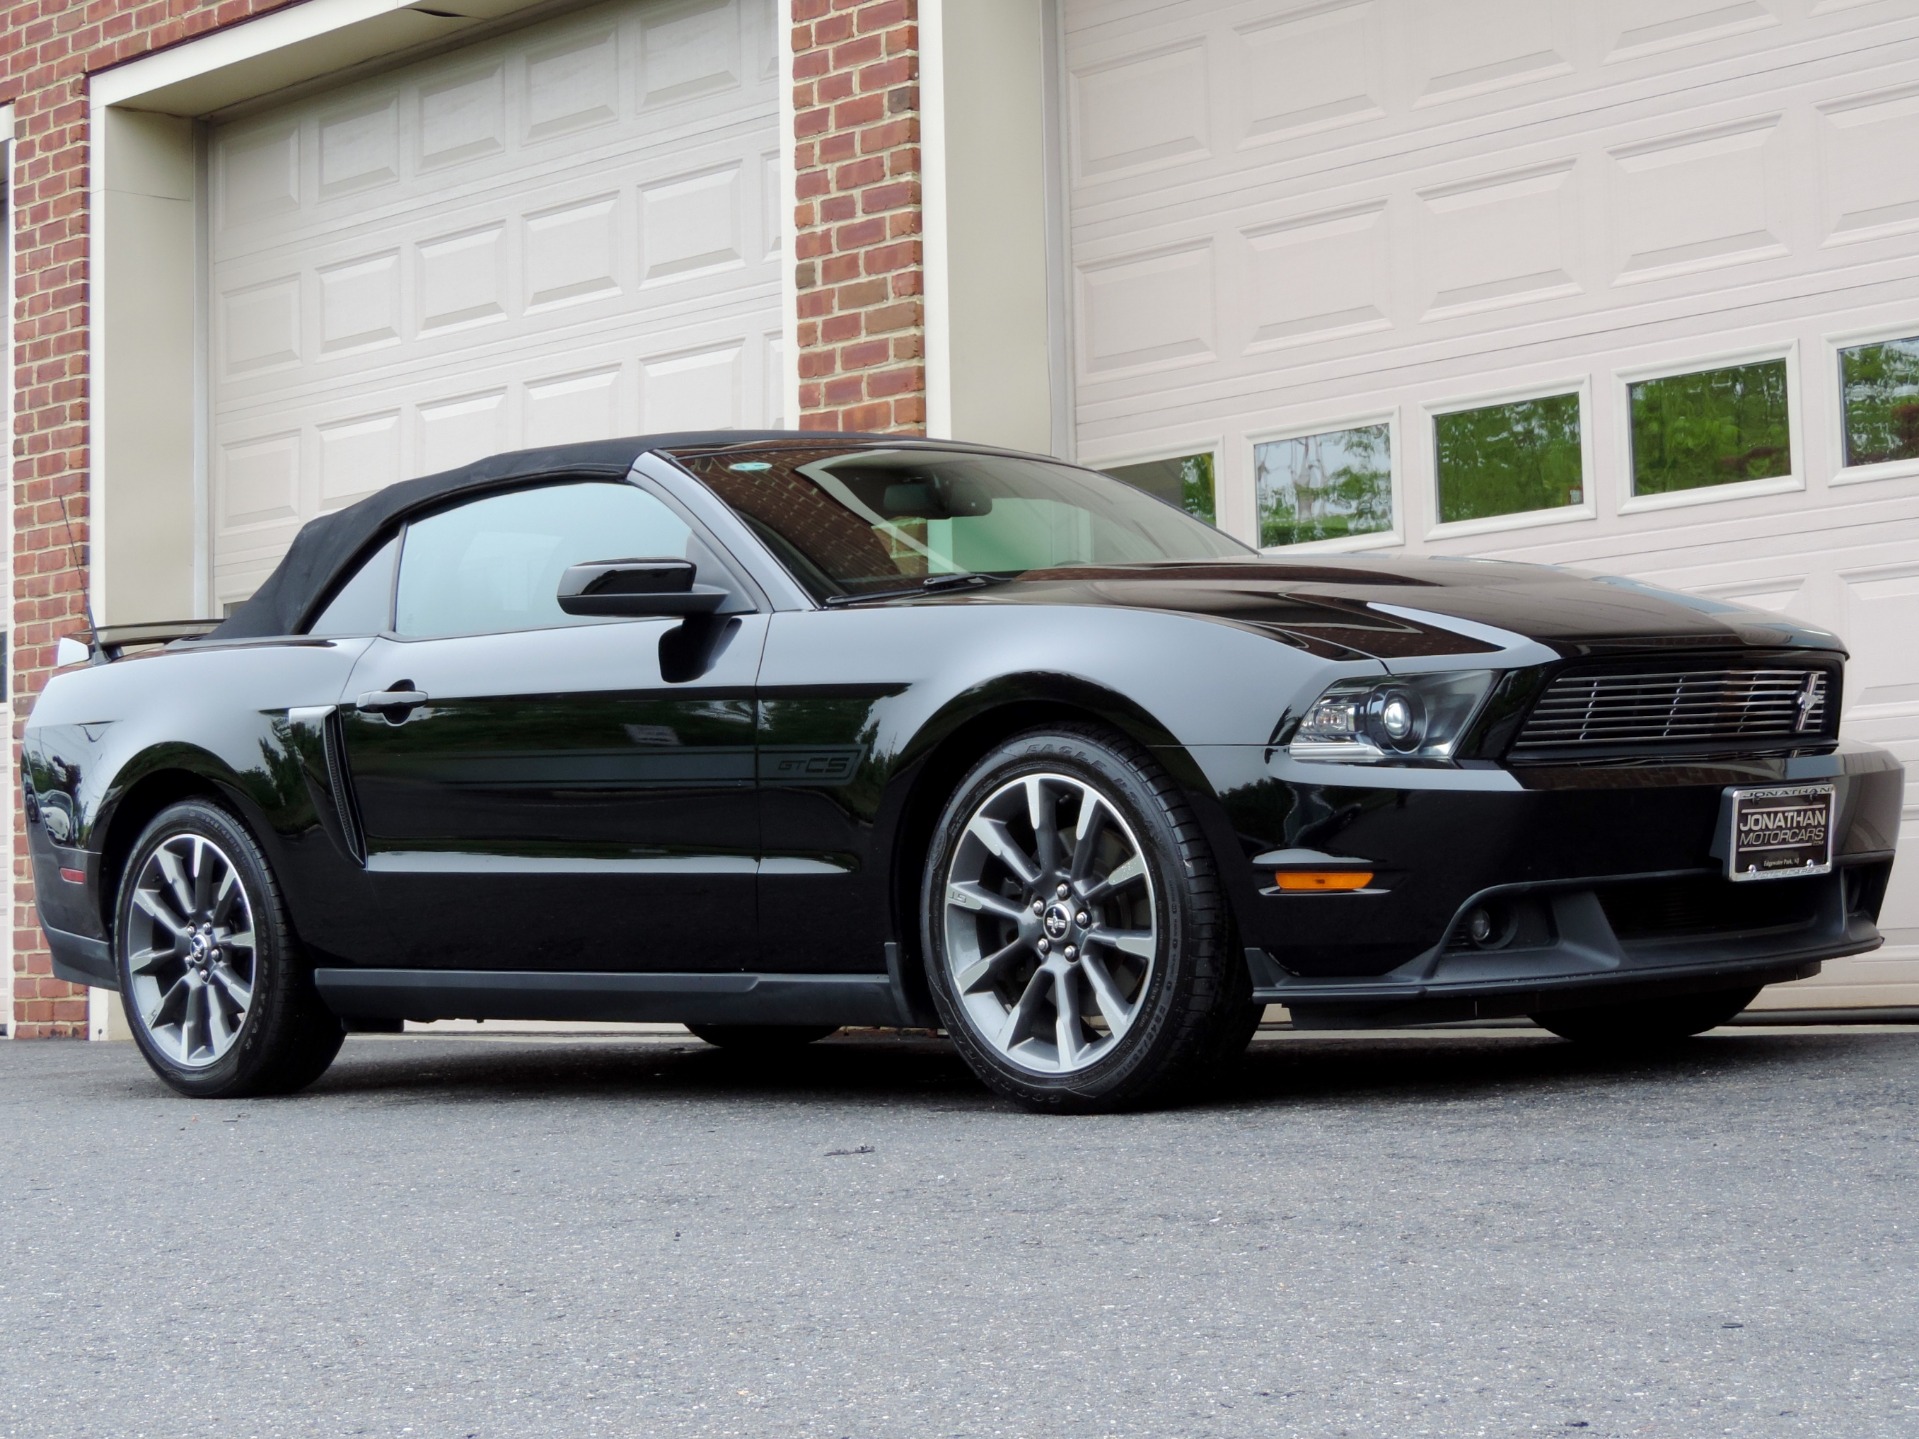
column 425, row 994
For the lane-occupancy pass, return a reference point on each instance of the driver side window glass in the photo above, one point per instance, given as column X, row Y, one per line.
column 495, row 563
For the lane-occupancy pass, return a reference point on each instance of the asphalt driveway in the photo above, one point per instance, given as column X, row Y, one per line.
column 1447, row 1234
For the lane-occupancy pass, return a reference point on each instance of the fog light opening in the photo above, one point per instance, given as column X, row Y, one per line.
column 1490, row 926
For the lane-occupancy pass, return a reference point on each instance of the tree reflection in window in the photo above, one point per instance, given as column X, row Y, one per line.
column 1712, row 427
column 1881, row 384
column 1509, row 459
column 1327, row 486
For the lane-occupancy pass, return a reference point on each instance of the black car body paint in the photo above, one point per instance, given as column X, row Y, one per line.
column 745, row 797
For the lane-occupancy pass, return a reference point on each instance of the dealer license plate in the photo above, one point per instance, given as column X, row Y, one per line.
column 1780, row 832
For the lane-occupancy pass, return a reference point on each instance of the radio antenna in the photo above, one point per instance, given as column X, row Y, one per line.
column 86, row 602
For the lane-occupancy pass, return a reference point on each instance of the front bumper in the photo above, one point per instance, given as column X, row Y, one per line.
column 1611, row 868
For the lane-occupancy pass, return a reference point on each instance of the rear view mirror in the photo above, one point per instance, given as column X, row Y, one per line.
column 636, row 588
column 938, row 497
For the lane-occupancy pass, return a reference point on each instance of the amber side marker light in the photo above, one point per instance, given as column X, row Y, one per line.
column 1322, row 881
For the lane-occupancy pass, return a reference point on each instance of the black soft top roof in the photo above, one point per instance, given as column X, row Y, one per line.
column 326, row 548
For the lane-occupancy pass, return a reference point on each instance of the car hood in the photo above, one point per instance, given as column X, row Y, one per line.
column 1399, row 608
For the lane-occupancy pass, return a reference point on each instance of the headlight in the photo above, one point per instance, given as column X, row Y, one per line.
column 1406, row 717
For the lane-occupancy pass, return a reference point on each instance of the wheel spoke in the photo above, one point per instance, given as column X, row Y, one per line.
column 196, row 997
column 223, row 898
column 1112, row 1006
column 1123, row 874
column 1092, row 819
column 974, row 896
column 1019, row 1019
column 148, row 901
column 1042, row 809
column 983, row 973
column 1137, row 942
column 219, row 1031
column 234, row 939
column 148, row 960
column 236, row 988
column 1000, row 843
column 177, row 880
column 178, row 990
column 1066, row 1022
column 202, row 877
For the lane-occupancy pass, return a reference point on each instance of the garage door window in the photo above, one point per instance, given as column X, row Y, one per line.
column 1334, row 485
column 1881, row 388
column 1186, row 482
column 1509, row 459
column 1711, row 427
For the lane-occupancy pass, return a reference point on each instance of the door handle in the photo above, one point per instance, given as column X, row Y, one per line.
column 395, row 703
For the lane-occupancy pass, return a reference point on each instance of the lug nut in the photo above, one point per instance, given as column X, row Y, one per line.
column 1080, row 919
column 1039, row 906
column 1071, row 953
column 1044, row 946
column 1063, row 891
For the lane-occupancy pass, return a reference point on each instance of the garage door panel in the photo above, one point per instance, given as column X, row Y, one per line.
column 1475, row 200
column 691, row 239
column 564, row 233
column 268, row 478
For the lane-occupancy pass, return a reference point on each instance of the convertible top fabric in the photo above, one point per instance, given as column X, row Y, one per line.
column 325, row 548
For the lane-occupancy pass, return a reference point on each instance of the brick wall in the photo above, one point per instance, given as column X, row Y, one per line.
column 47, row 49
column 856, row 147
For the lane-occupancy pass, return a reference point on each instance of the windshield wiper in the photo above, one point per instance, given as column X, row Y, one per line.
column 931, row 585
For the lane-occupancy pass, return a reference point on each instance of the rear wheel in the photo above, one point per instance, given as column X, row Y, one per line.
column 215, row 990
column 1075, row 932
column 762, row 1037
column 1649, row 1021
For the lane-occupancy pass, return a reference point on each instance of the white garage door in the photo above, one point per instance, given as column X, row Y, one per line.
column 1654, row 257
column 567, row 233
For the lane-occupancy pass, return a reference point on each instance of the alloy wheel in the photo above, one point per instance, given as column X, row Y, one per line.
column 1051, row 923
column 191, row 951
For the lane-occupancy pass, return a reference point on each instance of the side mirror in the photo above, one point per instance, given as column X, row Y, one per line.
column 636, row 588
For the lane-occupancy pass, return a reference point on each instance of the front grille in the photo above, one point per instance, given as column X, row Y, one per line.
column 1663, row 710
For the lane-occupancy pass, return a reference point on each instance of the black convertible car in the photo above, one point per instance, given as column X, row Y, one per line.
column 775, row 733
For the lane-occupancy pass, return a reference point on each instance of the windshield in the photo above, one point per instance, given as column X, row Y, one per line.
column 873, row 521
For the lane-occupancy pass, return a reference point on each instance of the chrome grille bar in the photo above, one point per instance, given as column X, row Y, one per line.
column 1650, row 708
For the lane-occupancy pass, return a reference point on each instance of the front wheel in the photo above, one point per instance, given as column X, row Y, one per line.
column 1643, row 1023
column 214, row 988
column 1075, row 933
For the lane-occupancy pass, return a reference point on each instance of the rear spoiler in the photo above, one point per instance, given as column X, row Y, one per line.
column 112, row 641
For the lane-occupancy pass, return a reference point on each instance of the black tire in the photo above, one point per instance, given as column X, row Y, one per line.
column 285, row 1036
column 1192, row 1011
column 760, row 1038
column 1646, row 1023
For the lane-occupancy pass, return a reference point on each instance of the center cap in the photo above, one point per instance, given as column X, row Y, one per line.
column 200, row 945
column 1057, row 922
